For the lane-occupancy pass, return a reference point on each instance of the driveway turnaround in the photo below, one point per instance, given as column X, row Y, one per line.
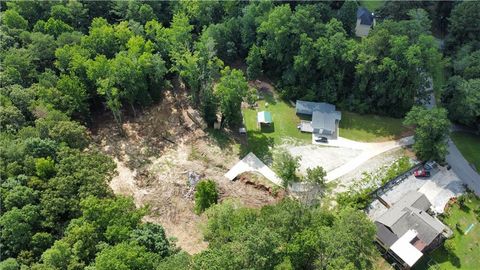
column 251, row 163
column 369, row 150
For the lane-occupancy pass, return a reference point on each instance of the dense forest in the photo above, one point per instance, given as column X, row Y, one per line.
column 63, row 62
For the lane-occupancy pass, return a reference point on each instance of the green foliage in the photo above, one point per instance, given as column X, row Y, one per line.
column 254, row 63
column 464, row 23
column 13, row 20
column 18, row 197
column 125, row 256
column 231, row 90
column 206, row 194
column 17, row 227
column 358, row 195
column 9, row 264
column 431, row 132
column 152, row 236
column 45, row 168
column 285, row 165
column 179, row 261
column 316, row 175
column 462, row 99
column 285, row 236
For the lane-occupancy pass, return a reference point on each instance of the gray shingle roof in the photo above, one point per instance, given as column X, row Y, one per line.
column 308, row 107
column 365, row 16
column 409, row 213
column 324, row 115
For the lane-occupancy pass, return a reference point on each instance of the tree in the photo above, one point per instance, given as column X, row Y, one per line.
column 45, row 168
column 348, row 243
column 126, row 256
column 9, row 264
column 18, row 197
column 431, row 132
column 347, row 14
column 254, row 63
column 462, row 99
column 17, row 227
column 316, row 175
column 13, row 20
column 206, row 194
column 464, row 23
column 231, row 90
column 286, row 167
column 152, row 236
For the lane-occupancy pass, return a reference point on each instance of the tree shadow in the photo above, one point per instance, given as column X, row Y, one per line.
column 267, row 128
column 223, row 139
column 259, row 144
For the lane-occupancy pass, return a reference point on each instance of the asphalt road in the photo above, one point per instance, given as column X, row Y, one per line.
column 462, row 168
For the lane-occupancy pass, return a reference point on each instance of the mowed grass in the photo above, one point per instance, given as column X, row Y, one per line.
column 372, row 5
column 371, row 128
column 466, row 247
column 469, row 146
column 284, row 126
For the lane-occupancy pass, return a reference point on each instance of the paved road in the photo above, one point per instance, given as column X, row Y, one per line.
column 459, row 164
column 462, row 168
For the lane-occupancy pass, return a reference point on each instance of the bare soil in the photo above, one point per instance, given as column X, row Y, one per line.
column 160, row 146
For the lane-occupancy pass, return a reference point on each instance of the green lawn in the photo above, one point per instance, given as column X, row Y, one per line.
column 469, row 145
column 466, row 253
column 372, row 5
column 371, row 128
column 284, row 126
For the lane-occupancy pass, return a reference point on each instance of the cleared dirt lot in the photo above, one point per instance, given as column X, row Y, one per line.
column 154, row 170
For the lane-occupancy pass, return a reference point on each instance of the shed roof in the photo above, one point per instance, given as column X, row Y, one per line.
column 264, row 117
column 365, row 16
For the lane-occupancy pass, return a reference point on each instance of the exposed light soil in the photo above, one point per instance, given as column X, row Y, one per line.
column 160, row 146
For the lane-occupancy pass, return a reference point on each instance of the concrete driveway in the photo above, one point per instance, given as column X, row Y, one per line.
column 369, row 150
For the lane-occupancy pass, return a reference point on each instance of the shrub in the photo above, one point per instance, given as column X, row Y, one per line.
column 206, row 194
column 285, row 165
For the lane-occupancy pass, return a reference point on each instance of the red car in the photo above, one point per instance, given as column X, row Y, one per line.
column 421, row 173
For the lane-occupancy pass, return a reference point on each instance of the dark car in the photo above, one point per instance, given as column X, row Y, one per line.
column 321, row 139
column 421, row 173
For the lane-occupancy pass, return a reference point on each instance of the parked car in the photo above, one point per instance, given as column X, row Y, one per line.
column 422, row 172
column 321, row 139
column 430, row 165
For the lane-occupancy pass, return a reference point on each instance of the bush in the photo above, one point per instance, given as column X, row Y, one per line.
column 205, row 195
column 316, row 175
column 285, row 165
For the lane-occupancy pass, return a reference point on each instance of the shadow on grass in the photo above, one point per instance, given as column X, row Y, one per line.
column 267, row 128
column 224, row 140
column 377, row 125
column 259, row 144
column 268, row 97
